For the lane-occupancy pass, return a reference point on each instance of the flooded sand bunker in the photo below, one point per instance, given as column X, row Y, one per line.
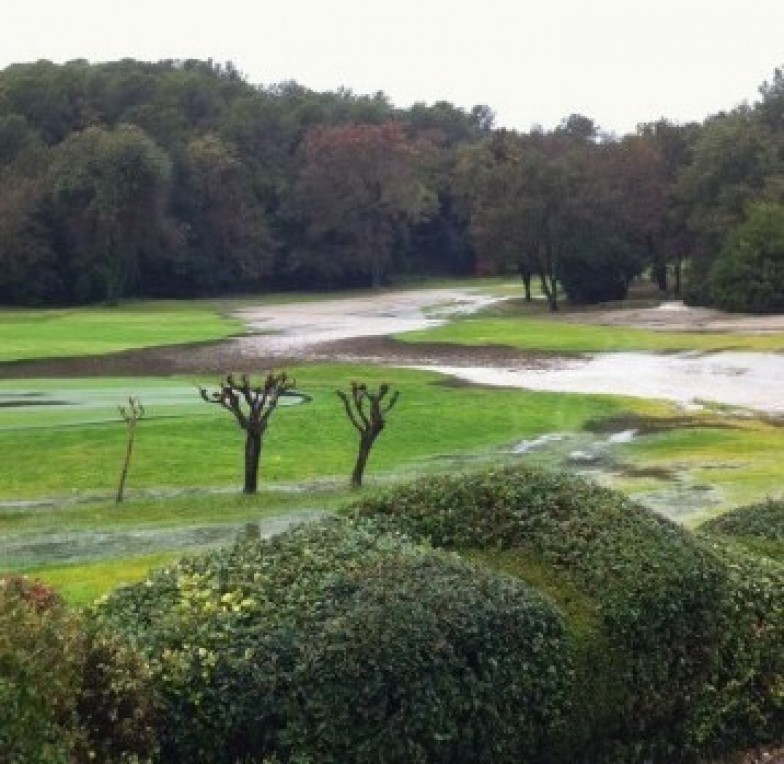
column 744, row 380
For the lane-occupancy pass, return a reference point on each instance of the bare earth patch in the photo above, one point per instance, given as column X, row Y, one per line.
column 677, row 317
column 352, row 329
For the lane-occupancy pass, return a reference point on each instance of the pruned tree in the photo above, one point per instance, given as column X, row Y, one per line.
column 367, row 411
column 252, row 407
column 131, row 414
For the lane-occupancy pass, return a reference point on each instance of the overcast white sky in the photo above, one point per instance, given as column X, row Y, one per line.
column 620, row 62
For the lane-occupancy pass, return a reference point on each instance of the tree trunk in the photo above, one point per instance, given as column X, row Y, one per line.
column 365, row 444
column 124, row 475
column 550, row 289
column 659, row 262
column 678, row 272
column 252, row 457
column 660, row 275
column 525, row 275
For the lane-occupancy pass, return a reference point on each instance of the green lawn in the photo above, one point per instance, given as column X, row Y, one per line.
column 564, row 336
column 740, row 460
column 63, row 439
column 58, row 333
column 78, row 448
column 74, row 452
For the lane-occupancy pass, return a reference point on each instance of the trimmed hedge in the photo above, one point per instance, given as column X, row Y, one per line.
column 573, row 626
column 671, row 611
column 335, row 643
column 764, row 520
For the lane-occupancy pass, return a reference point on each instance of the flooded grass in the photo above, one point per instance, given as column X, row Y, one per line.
column 652, row 425
column 183, row 442
column 63, row 441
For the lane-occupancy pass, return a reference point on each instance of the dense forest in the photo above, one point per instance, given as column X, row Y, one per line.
column 181, row 178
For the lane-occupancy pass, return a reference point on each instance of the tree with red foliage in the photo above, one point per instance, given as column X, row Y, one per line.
column 359, row 186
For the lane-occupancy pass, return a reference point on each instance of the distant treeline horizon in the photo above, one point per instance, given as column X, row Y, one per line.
column 180, row 178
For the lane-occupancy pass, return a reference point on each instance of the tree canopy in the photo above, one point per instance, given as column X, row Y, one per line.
column 180, row 178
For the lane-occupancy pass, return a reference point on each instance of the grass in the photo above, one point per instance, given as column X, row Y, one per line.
column 58, row 333
column 565, row 336
column 737, row 458
column 83, row 584
column 26, row 334
column 183, row 487
column 184, row 442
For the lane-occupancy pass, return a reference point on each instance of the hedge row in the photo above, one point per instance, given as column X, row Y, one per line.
column 504, row 616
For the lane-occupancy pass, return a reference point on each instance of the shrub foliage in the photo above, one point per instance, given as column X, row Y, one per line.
column 68, row 693
column 335, row 643
column 502, row 616
column 674, row 612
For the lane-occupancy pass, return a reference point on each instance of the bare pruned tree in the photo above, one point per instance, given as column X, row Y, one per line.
column 367, row 411
column 131, row 414
column 252, row 407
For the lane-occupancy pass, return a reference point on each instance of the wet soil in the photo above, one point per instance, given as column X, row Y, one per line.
column 251, row 354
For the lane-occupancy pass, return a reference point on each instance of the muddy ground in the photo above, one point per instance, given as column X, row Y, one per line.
column 356, row 329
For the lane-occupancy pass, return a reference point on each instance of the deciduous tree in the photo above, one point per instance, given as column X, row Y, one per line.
column 252, row 406
column 366, row 410
column 359, row 187
column 109, row 189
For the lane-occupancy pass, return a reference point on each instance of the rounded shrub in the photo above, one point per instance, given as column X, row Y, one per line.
column 748, row 275
column 741, row 702
column 337, row 643
column 654, row 587
column 41, row 647
column 764, row 520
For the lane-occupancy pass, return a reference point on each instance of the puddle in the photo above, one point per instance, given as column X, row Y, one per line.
column 745, row 380
column 526, row 446
column 291, row 328
column 32, row 550
column 625, row 436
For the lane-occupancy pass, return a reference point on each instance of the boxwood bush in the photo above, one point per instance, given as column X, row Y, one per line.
column 671, row 611
column 338, row 643
column 764, row 520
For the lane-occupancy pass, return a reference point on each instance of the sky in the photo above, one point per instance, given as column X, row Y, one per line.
column 619, row 62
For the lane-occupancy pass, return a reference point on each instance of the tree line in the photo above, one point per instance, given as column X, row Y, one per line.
column 181, row 178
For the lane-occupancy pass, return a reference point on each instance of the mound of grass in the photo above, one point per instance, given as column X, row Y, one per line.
column 60, row 333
